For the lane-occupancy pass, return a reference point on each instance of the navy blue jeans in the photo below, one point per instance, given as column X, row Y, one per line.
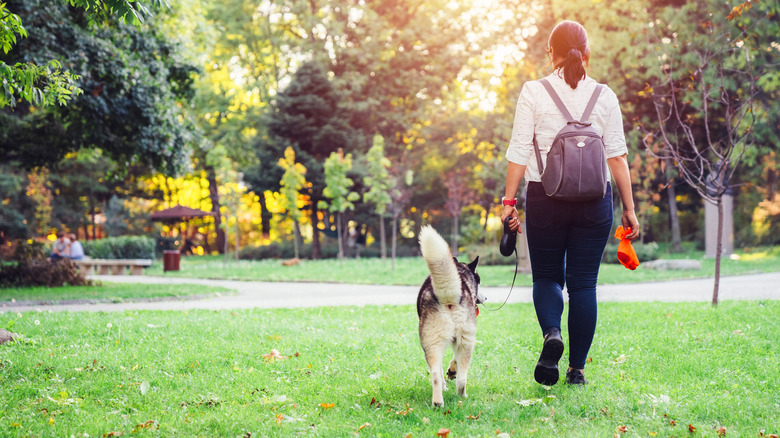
column 566, row 241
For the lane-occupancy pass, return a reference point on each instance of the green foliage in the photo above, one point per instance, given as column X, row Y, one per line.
column 378, row 178
column 293, row 180
column 40, row 85
column 45, row 83
column 125, row 10
column 14, row 204
column 134, row 81
column 11, row 26
column 337, row 184
column 123, row 247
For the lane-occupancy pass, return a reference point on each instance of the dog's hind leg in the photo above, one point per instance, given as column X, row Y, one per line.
column 433, row 356
column 462, row 352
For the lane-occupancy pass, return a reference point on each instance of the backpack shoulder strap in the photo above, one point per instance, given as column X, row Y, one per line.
column 557, row 100
column 591, row 103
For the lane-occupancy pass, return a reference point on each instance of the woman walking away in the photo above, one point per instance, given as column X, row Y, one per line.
column 566, row 238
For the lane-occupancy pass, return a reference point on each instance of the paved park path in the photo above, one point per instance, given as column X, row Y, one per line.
column 256, row 294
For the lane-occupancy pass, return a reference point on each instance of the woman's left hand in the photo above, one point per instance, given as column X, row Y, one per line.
column 514, row 222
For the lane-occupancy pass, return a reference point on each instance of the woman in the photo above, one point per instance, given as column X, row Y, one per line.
column 566, row 239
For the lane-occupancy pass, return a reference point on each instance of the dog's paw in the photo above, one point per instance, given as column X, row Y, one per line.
column 451, row 374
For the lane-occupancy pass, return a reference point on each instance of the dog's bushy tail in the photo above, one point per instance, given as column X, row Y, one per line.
column 444, row 273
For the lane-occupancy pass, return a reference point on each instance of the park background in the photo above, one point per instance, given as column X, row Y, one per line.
column 395, row 114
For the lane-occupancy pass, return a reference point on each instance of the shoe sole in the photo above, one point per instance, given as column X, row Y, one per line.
column 546, row 372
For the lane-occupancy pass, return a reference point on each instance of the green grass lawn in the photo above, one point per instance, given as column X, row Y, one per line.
column 656, row 369
column 412, row 270
column 106, row 291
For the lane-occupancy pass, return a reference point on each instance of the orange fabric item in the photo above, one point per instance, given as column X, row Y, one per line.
column 625, row 252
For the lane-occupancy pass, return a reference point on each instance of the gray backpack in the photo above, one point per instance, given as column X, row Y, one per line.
column 576, row 164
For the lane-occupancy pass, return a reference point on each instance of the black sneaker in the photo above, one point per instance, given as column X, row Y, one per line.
column 546, row 371
column 508, row 240
column 575, row 377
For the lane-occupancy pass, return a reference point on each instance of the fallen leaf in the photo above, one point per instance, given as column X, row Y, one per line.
column 621, row 429
column 673, row 423
column 364, row 425
column 471, row 417
column 327, row 405
column 443, row 433
column 653, row 433
column 691, row 429
column 589, row 360
column 405, row 411
column 373, row 401
column 279, row 418
column 274, row 355
column 721, row 431
column 110, row 434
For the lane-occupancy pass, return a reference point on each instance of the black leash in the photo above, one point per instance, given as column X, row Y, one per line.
column 517, row 263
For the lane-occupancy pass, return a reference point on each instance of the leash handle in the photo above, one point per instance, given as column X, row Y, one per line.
column 517, row 263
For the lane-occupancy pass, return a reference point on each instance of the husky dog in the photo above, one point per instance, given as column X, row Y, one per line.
column 447, row 308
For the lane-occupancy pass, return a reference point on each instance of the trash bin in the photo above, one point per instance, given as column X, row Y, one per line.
column 171, row 260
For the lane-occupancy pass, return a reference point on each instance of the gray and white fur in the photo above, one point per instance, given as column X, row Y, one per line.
column 447, row 308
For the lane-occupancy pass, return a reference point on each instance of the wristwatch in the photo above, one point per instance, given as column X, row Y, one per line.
column 508, row 202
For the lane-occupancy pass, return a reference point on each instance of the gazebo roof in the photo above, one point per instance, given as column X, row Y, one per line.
column 178, row 212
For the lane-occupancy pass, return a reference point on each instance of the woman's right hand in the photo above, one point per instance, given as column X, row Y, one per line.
column 510, row 211
column 630, row 221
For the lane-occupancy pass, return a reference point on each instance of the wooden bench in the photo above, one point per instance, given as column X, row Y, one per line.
column 113, row 267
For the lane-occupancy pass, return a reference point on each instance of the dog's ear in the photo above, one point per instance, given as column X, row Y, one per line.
column 473, row 265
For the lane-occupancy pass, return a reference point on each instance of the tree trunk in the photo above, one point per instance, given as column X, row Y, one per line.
column 771, row 184
column 220, row 240
column 674, row 218
column 92, row 220
column 238, row 240
column 265, row 216
column 382, row 239
column 316, row 251
column 296, row 238
column 718, row 251
column 394, row 239
column 486, row 206
column 338, row 235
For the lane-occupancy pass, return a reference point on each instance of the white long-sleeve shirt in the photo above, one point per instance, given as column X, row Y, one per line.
column 536, row 113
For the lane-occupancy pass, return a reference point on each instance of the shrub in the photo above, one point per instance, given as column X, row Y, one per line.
column 286, row 250
column 29, row 266
column 123, row 247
